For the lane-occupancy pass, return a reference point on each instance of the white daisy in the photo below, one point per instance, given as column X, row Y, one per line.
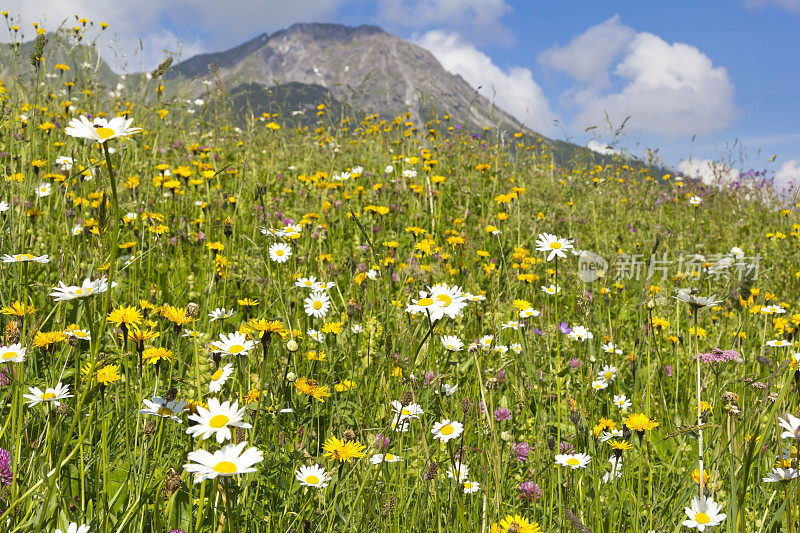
column 470, row 486
column 65, row 292
column 528, row 312
column 609, row 373
column 703, row 513
column 161, row 407
column 317, row 305
column 219, row 377
column 779, row 474
column 74, row 527
column 280, row 252
column 312, row 476
column 553, row 245
column 451, row 343
column 791, row 424
column 622, row 402
column 100, row 129
column 447, row 430
column 573, row 460
column 220, row 313
column 230, row 460
column 233, row 344
column 217, row 420
column 22, row 258
column 306, row 283
column 551, row 289
column 43, row 190
column 12, row 354
column 49, row 395
column 379, row 458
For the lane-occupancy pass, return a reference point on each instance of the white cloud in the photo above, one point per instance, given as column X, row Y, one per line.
column 512, row 90
column 478, row 18
column 588, row 56
column 601, row 148
column 670, row 89
column 207, row 26
column 788, row 176
column 708, row 171
column 788, row 5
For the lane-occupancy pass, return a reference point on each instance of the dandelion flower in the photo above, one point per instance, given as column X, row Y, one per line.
column 343, row 451
column 515, row 524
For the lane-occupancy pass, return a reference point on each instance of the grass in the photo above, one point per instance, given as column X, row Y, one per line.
column 182, row 236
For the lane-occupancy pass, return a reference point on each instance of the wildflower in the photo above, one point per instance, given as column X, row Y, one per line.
column 609, row 373
column 43, row 190
column 515, row 524
column 779, row 343
column 74, row 331
column 312, row 476
column 230, row 460
column 311, row 388
column 703, row 513
column 306, row 283
column 530, row 491
column 161, row 407
column 580, row 333
column 447, row 430
column 342, row 451
column 12, row 354
column 791, row 424
column 23, row 258
column 217, row 419
column 521, row 451
column 220, row 313
column 125, row 317
column 100, row 129
column 317, row 305
column 379, row 458
column 554, row 246
column 280, row 252
column 154, row 356
column 696, row 476
column 451, row 343
column 470, row 487
column 780, row 474
column 47, row 339
column 551, row 289
column 690, row 297
column 622, row 402
column 74, row 527
column 459, row 471
column 233, row 344
column 412, row 410
column 219, row 377
column 108, row 374
column 573, row 460
column 6, row 467
column 599, row 384
column 640, row 423
column 53, row 395
column 19, row 309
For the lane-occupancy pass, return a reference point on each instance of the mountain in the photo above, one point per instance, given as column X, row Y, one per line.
column 362, row 67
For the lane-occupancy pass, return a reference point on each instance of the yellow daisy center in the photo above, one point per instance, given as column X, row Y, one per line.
column 573, row 461
column 225, row 467
column 105, row 133
column 312, row 480
column 388, row 457
column 79, row 291
column 24, row 257
column 317, row 305
column 467, row 485
column 216, row 375
column 555, row 245
column 424, row 302
column 236, row 348
column 48, row 396
column 9, row 355
column 279, row 252
column 447, row 430
column 309, row 284
column 218, row 421
column 165, row 411
column 405, row 412
column 702, row 518
column 445, row 299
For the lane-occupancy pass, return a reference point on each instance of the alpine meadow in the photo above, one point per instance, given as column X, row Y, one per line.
column 316, row 318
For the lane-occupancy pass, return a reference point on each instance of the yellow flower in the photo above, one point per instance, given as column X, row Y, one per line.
column 640, row 422
column 46, row 340
column 19, row 309
column 129, row 316
column 339, row 450
column 515, row 524
column 311, row 388
column 156, row 355
column 696, row 476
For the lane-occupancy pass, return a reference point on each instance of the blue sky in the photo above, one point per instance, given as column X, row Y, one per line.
column 708, row 80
